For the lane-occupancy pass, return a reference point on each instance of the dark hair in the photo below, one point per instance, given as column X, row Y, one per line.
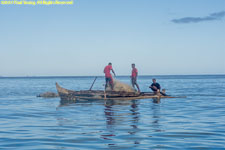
column 133, row 64
column 110, row 63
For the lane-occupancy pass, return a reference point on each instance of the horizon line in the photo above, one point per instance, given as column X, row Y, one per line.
column 33, row 76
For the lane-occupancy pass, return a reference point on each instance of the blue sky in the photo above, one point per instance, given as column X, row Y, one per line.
column 173, row 37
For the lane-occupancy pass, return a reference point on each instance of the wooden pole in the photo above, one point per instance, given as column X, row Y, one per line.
column 92, row 83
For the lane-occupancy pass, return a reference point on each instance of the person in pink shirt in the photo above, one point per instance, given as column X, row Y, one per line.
column 108, row 76
column 134, row 75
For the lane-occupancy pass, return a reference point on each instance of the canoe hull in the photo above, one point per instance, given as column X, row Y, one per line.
column 70, row 95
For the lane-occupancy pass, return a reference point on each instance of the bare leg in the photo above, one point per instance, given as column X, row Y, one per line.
column 154, row 89
column 132, row 82
column 106, row 84
column 137, row 87
column 133, row 85
column 111, row 85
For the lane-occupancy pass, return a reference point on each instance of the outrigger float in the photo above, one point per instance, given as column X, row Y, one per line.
column 71, row 95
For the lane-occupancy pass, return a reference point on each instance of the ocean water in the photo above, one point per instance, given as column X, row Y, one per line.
column 30, row 122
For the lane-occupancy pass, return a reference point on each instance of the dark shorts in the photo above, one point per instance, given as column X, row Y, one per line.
column 108, row 79
column 134, row 80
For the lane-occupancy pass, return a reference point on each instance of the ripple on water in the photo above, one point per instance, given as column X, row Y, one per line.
column 195, row 122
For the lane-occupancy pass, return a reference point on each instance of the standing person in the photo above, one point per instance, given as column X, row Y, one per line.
column 134, row 75
column 108, row 76
column 155, row 86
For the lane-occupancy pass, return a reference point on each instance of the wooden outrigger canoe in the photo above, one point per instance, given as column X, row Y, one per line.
column 70, row 95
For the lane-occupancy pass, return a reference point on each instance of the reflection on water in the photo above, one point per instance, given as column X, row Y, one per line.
column 128, row 120
column 116, row 120
column 195, row 122
column 156, row 116
column 123, row 120
column 79, row 102
column 156, row 100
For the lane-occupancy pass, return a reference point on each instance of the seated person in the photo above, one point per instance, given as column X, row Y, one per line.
column 156, row 88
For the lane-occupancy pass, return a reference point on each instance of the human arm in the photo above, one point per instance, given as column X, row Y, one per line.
column 151, row 86
column 113, row 72
column 154, row 87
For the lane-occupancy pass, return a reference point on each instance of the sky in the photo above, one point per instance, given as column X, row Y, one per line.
column 162, row 37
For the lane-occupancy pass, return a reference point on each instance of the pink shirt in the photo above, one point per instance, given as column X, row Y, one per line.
column 107, row 71
column 134, row 72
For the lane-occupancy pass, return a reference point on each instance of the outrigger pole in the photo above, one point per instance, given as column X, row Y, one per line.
column 93, row 83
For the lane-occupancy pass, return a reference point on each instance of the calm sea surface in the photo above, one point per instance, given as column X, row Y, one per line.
column 195, row 122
